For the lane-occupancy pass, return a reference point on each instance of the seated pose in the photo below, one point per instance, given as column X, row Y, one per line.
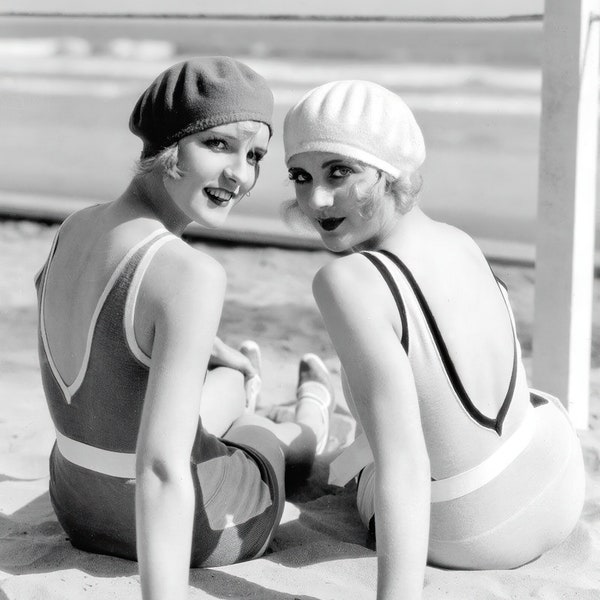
column 462, row 464
column 157, row 457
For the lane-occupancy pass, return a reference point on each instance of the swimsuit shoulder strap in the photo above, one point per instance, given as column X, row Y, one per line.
column 448, row 364
column 389, row 280
column 138, row 271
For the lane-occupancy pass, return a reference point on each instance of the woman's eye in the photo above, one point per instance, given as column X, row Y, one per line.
column 216, row 144
column 298, row 176
column 255, row 157
column 341, row 171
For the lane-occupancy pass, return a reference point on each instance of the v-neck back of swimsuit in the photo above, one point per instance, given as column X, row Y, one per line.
column 457, row 432
column 112, row 423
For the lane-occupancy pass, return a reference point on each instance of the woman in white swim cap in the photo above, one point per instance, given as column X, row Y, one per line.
column 462, row 465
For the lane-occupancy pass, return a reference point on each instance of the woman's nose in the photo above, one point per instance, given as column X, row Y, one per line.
column 239, row 172
column 320, row 198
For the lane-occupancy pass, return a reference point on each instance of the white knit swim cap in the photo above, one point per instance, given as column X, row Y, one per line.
column 358, row 119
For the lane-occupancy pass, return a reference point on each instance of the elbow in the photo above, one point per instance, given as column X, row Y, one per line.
column 160, row 471
column 418, row 475
column 416, row 465
column 412, row 473
column 418, row 471
column 422, row 466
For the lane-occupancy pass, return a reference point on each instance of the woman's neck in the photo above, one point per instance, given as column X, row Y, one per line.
column 147, row 192
column 395, row 230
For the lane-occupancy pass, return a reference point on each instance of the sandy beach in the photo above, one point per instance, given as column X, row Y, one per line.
column 319, row 551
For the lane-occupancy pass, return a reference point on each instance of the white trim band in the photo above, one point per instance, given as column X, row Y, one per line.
column 475, row 478
column 358, row 455
column 116, row 464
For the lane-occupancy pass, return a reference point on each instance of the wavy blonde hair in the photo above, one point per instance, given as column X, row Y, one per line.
column 164, row 163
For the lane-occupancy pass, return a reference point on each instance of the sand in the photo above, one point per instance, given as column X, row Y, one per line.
column 319, row 551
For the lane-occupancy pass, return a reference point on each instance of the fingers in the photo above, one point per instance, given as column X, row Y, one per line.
column 226, row 356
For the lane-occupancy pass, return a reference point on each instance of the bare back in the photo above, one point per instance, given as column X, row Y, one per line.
column 467, row 304
column 92, row 243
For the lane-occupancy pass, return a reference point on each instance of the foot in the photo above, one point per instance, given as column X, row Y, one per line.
column 251, row 351
column 315, row 391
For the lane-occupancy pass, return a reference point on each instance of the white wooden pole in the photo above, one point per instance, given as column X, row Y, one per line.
column 566, row 204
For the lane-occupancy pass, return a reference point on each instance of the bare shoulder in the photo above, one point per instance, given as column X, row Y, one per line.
column 181, row 277
column 352, row 284
column 455, row 240
column 352, row 273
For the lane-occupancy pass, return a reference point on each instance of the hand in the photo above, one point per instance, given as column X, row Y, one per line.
column 226, row 356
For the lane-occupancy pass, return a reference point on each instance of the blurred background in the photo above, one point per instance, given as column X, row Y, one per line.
column 67, row 86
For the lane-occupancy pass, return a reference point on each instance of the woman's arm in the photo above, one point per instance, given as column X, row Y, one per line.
column 362, row 321
column 186, row 310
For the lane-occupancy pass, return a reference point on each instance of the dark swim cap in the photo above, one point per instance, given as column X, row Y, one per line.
column 195, row 95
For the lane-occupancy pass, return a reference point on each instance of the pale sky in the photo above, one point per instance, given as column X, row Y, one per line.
column 338, row 7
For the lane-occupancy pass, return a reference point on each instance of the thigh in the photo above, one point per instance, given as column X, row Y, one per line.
column 223, row 399
column 265, row 444
column 239, row 496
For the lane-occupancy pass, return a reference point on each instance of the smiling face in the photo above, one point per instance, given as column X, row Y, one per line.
column 218, row 166
column 328, row 190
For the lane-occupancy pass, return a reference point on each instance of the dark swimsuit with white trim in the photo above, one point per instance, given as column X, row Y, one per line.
column 97, row 418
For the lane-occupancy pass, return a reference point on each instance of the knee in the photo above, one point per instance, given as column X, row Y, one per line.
column 226, row 373
column 247, row 430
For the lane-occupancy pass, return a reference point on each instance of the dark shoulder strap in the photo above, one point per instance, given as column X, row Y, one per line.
column 395, row 293
column 489, row 422
column 513, row 376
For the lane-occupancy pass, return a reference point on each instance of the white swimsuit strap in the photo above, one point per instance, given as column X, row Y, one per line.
column 132, row 295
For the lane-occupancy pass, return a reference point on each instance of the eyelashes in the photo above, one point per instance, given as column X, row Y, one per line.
column 336, row 172
column 220, row 145
column 255, row 157
column 298, row 177
column 216, row 143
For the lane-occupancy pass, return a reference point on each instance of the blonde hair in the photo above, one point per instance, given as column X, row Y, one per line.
column 164, row 163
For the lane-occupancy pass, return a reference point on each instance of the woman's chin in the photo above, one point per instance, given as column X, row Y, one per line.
column 211, row 219
column 335, row 244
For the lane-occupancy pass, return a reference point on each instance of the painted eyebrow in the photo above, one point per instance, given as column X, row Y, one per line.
column 213, row 133
column 335, row 161
column 234, row 138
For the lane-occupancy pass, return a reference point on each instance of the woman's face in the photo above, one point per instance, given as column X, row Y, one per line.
column 327, row 190
column 218, row 166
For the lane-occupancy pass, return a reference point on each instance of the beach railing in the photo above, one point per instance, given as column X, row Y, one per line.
column 566, row 204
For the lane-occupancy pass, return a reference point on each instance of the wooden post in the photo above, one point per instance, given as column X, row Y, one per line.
column 566, row 205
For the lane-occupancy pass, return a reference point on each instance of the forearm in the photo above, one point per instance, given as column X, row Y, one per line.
column 402, row 524
column 164, row 519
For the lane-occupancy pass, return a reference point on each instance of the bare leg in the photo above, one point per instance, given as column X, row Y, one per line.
column 298, row 441
column 301, row 438
column 223, row 399
column 315, row 400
